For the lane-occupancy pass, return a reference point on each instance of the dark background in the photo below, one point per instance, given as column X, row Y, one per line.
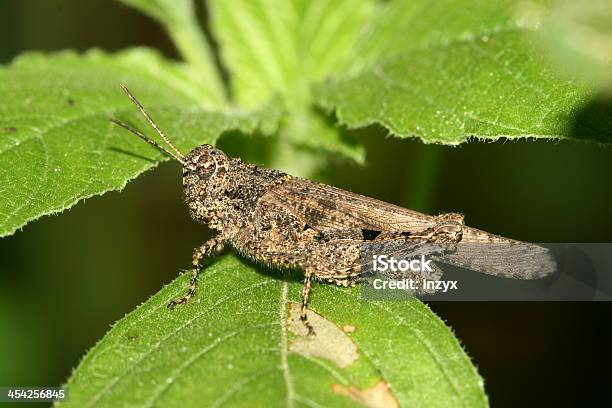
column 65, row 279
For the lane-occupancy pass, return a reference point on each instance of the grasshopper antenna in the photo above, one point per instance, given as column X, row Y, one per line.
column 178, row 156
column 148, row 140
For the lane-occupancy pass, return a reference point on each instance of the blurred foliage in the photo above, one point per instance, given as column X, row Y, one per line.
column 52, row 307
column 579, row 37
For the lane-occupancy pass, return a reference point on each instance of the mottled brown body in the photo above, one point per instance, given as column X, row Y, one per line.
column 285, row 221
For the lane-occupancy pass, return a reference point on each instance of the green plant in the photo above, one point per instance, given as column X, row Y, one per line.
column 406, row 65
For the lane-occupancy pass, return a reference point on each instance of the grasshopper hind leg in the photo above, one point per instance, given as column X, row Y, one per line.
column 308, row 275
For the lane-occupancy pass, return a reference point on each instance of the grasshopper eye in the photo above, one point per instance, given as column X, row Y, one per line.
column 449, row 229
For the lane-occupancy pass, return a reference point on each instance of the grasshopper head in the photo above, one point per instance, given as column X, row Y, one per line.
column 202, row 167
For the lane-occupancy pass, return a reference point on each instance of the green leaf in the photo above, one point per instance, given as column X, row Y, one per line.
column 488, row 87
column 57, row 145
column 449, row 71
column 282, row 47
column 398, row 26
column 579, row 35
column 233, row 344
column 179, row 19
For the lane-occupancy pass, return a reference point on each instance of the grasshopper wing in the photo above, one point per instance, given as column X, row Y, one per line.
column 327, row 208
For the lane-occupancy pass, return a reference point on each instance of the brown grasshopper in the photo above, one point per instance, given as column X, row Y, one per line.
column 286, row 221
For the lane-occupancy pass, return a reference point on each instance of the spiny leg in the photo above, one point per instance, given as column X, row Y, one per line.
column 209, row 248
column 305, row 297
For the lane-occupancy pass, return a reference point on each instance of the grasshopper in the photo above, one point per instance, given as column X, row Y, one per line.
column 289, row 222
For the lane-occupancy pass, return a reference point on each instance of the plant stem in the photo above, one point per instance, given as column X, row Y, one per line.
column 293, row 159
column 195, row 49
